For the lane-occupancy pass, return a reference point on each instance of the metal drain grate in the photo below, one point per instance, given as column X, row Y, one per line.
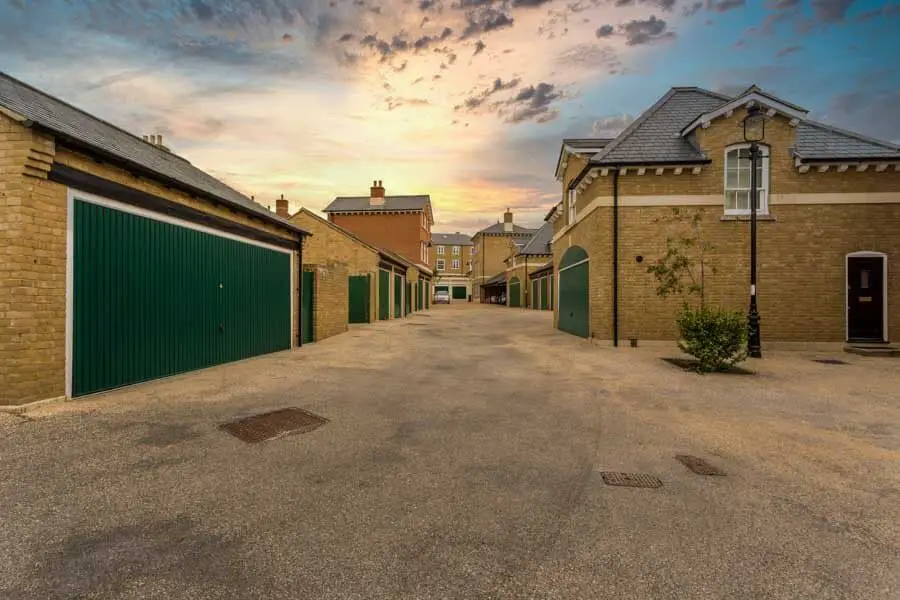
column 830, row 361
column 698, row 465
column 270, row 425
column 639, row 480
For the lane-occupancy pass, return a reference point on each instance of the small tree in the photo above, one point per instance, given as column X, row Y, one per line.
column 716, row 338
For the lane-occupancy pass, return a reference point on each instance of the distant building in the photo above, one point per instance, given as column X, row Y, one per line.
column 451, row 256
column 491, row 247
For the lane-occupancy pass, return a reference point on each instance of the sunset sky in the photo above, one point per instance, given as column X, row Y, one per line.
column 466, row 100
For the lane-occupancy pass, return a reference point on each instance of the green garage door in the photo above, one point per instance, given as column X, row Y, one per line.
column 384, row 295
column 308, row 300
column 544, row 300
column 574, row 305
column 427, row 295
column 398, row 296
column 408, row 297
column 535, row 298
column 552, row 288
column 515, row 293
column 359, row 299
column 153, row 299
column 459, row 292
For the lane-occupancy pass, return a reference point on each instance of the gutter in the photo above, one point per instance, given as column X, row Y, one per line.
column 616, row 257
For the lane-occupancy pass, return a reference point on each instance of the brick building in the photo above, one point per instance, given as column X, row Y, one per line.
column 829, row 222
column 526, row 258
column 122, row 262
column 451, row 256
column 401, row 224
column 376, row 284
column 490, row 248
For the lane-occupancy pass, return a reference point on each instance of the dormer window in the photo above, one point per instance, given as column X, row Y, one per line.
column 571, row 206
column 737, row 180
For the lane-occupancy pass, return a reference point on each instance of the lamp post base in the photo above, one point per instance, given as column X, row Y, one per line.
column 754, row 349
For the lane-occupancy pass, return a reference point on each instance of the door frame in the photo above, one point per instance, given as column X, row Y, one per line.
column 73, row 194
column 884, row 290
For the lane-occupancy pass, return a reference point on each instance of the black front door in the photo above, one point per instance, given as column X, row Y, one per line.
column 865, row 298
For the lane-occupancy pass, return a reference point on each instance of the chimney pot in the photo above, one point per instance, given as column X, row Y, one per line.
column 159, row 140
column 376, row 194
column 281, row 207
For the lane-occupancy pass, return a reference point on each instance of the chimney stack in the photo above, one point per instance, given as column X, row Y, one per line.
column 507, row 222
column 281, row 207
column 376, row 194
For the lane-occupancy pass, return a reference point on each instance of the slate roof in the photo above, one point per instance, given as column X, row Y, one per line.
column 820, row 141
column 361, row 203
column 451, row 239
column 654, row 136
column 496, row 279
column 75, row 125
column 539, row 243
column 517, row 230
column 542, row 270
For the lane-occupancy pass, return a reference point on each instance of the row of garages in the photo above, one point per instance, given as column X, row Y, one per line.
column 125, row 263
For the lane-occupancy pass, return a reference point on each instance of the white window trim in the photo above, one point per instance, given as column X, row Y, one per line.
column 762, row 187
column 440, row 250
column 572, row 199
column 884, row 289
column 440, row 264
column 455, row 250
column 454, row 264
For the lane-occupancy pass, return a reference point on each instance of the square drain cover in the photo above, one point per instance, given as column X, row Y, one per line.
column 830, row 361
column 270, row 425
column 698, row 465
column 630, row 479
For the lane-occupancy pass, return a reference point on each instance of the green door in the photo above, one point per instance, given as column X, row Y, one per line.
column 398, row 295
column 359, row 298
column 153, row 299
column 552, row 287
column 384, row 295
column 515, row 293
column 427, row 295
column 459, row 292
column 535, row 297
column 544, row 300
column 574, row 305
column 408, row 297
column 420, row 300
column 309, row 299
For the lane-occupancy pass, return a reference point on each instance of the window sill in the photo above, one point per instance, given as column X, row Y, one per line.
column 759, row 217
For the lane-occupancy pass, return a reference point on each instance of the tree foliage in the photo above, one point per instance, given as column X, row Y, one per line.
column 685, row 265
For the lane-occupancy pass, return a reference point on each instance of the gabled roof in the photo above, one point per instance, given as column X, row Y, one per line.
column 817, row 141
column 79, row 128
column 753, row 95
column 654, row 137
column 393, row 256
column 539, row 243
column 361, row 203
column 496, row 279
column 497, row 228
column 451, row 239
column 579, row 146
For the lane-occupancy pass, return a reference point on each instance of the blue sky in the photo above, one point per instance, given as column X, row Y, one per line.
column 464, row 99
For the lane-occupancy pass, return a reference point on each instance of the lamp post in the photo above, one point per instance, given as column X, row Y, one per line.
column 754, row 132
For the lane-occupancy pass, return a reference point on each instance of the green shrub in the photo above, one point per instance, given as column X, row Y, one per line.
column 716, row 338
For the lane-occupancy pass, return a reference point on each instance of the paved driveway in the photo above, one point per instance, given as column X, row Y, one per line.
column 462, row 460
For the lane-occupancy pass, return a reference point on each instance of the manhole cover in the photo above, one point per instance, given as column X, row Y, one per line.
column 698, row 465
column 267, row 426
column 630, row 479
column 830, row 361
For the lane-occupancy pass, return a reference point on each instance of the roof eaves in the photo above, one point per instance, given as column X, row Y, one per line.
column 754, row 96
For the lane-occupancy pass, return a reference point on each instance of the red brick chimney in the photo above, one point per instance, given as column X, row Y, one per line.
column 281, row 207
column 507, row 221
column 376, row 194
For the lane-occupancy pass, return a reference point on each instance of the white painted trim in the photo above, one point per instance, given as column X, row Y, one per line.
column 580, row 262
column 884, row 287
column 141, row 212
column 749, row 100
column 763, row 187
column 295, row 285
column 70, row 288
column 837, row 198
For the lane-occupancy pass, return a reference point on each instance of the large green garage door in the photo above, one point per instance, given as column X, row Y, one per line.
column 459, row 292
column 398, row 296
column 515, row 292
column 535, row 298
column 545, row 305
column 574, row 305
column 408, row 297
column 359, row 298
column 384, row 295
column 152, row 299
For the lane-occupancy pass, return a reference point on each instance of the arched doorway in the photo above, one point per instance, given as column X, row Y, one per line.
column 574, row 293
column 515, row 292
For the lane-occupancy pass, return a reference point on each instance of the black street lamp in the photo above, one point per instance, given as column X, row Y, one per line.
column 754, row 132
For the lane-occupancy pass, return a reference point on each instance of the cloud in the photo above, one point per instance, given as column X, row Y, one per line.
column 590, row 56
column 788, row 50
column 479, row 48
column 483, row 20
column 528, row 3
column 346, row 37
column 873, row 114
column 648, row 31
column 426, row 41
column 476, row 100
column 287, row 38
column 611, row 125
column 394, row 103
column 665, row 5
column 724, row 5
column 605, row 31
column 691, row 10
column 533, row 104
column 782, row 4
column 831, row 11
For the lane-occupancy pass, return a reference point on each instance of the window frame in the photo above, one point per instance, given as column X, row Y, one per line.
column 440, row 251
column 455, row 251
column 454, row 264
column 440, row 264
column 762, row 186
column 571, row 211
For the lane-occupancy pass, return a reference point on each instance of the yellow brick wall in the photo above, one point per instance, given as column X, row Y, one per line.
column 522, row 272
column 801, row 252
column 331, row 303
column 33, row 220
column 492, row 251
